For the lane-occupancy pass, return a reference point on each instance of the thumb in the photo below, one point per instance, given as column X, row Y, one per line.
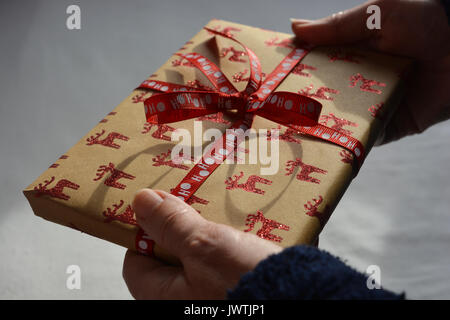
column 168, row 220
column 340, row 28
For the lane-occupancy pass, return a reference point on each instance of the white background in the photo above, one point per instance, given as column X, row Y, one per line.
column 56, row 84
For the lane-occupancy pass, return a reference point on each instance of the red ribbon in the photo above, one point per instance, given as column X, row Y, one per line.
column 181, row 102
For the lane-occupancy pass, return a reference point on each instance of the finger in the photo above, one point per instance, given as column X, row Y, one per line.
column 168, row 220
column 340, row 28
column 148, row 278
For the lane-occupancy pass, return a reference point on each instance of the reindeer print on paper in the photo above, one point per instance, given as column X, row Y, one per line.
column 160, row 132
column 226, row 30
column 346, row 156
column 216, row 117
column 305, row 170
column 141, row 97
column 375, row 110
column 182, row 62
column 313, row 211
column 194, row 199
column 249, row 185
column 339, row 123
column 301, row 67
column 236, row 55
column 104, row 120
column 56, row 165
column 126, row 216
column 367, row 84
column 165, row 159
column 267, row 227
column 241, row 76
column 319, row 93
column 287, row 135
column 112, row 180
column 341, row 55
column 108, row 141
column 275, row 42
column 185, row 45
column 197, row 84
column 57, row 190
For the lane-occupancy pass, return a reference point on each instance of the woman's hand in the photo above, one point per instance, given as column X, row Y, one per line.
column 213, row 256
column 418, row 29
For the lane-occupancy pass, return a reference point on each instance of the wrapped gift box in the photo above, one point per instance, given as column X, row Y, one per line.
column 91, row 186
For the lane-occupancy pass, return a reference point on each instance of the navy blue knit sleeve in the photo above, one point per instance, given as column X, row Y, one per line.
column 304, row 272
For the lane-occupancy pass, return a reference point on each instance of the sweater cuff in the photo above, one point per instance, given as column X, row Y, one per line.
column 304, row 272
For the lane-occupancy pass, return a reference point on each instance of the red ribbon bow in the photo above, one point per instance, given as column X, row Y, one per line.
column 180, row 102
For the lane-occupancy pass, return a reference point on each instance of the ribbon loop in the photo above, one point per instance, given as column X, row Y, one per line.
column 211, row 71
column 255, row 77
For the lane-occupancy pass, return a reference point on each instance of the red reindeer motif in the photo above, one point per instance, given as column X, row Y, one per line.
column 108, row 141
column 339, row 123
column 185, row 45
column 306, row 170
column 236, row 54
column 249, row 186
column 181, row 62
column 57, row 190
column 367, row 84
column 375, row 110
column 287, row 135
column 313, row 211
column 239, row 76
column 140, row 97
column 56, row 165
column 199, row 85
column 161, row 160
column 320, row 93
column 126, row 216
column 216, row 117
column 194, row 199
column 267, row 226
column 225, row 30
column 275, row 42
column 338, row 54
column 347, row 156
column 298, row 70
column 159, row 132
column 109, row 114
column 112, row 180
column 237, row 151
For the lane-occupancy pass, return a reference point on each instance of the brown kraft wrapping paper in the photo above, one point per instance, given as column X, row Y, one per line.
column 91, row 186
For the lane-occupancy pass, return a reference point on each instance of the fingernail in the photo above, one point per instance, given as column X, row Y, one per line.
column 144, row 202
column 300, row 21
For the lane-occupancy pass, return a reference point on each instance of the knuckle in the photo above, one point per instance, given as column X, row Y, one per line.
column 205, row 239
column 336, row 20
